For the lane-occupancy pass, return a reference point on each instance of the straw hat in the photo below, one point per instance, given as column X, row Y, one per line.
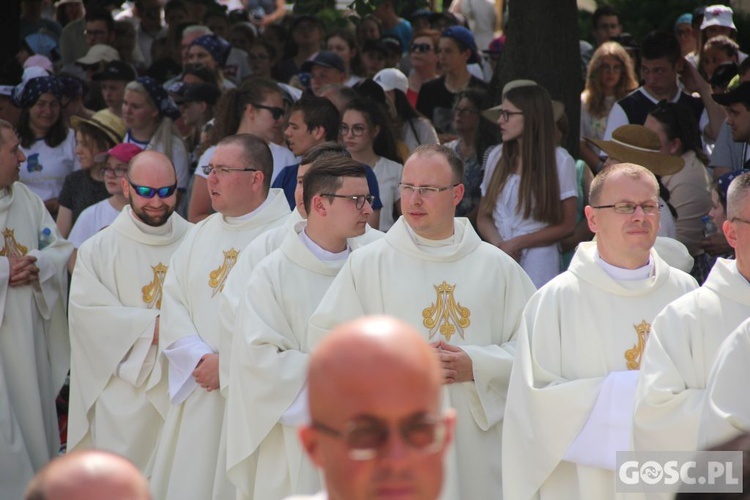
column 640, row 145
column 106, row 121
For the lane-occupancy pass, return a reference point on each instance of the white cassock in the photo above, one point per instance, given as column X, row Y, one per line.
column 269, row 368
column 571, row 393
column 462, row 291
column 34, row 345
column 679, row 356
column 190, row 461
column 115, row 296
column 726, row 408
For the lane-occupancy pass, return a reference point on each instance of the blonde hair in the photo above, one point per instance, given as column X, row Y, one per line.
column 593, row 96
column 539, row 189
column 165, row 132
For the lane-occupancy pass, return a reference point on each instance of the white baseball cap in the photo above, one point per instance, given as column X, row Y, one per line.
column 390, row 79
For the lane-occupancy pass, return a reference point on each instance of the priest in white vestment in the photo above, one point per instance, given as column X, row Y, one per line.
column 34, row 345
column 266, row 399
column 571, row 395
column 190, row 459
column 115, row 297
column 726, row 408
column 686, row 336
column 465, row 296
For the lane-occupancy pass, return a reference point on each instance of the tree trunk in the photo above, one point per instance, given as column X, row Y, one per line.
column 542, row 45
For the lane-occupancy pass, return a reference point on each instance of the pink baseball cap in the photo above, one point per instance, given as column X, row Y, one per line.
column 123, row 152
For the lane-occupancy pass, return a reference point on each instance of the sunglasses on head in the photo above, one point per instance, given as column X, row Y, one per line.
column 149, row 192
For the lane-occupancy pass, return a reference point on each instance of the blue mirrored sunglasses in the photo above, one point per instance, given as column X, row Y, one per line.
column 149, row 192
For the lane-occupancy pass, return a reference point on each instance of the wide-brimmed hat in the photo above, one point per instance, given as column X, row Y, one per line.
column 718, row 15
column 106, row 121
column 640, row 145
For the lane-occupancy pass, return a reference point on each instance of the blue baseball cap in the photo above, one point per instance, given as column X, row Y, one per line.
column 326, row 59
column 465, row 37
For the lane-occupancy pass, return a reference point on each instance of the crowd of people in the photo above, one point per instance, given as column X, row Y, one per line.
column 199, row 203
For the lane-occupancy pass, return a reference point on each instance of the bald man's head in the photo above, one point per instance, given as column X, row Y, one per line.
column 88, row 475
column 151, row 187
column 374, row 389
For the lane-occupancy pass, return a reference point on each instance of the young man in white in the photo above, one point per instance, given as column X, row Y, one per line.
column 34, row 345
column 686, row 337
column 267, row 399
column 189, row 463
column 570, row 399
column 465, row 297
column 115, row 297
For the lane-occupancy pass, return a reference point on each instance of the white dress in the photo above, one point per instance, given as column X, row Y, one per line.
column 540, row 263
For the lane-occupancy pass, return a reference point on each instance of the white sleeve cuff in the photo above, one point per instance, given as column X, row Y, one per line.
column 298, row 413
column 183, row 356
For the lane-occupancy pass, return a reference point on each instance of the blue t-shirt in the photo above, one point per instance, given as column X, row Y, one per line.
column 287, row 180
column 404, row 32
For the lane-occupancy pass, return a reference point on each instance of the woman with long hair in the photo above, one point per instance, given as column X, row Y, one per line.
column 690, row 188
column 256, row 107
column 85, row 187
column 46, row 141
column 529, row 189
column 367, row 135
column 344, row 43
column 610, row 77
column 148, row 113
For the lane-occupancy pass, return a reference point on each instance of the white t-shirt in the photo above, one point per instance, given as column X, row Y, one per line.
column 180, row 157
column 388, row 174
column 45, row 168
column 282, row 157
column 92, row 220
column 540, row 263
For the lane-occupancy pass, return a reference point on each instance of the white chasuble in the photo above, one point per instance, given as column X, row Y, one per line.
column 190, row 458
column 726, row 409
column 679, row 356
column 581, row 335
column 269, row 368
column 469, row 294
column 34, row 345
column 115, row 297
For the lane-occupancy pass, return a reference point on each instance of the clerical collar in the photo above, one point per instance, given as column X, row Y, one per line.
column 621, row 274
column 321, row 253
column 145, row 228
column 243, row 218
column 421, row 241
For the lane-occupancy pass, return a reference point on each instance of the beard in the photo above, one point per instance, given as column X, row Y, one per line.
column 150, row 220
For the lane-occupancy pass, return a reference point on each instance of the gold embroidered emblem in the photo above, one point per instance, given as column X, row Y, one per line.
column 446, row 315
column 152, row 291
column 218, row 276
column 633, row 356
column 12, row 248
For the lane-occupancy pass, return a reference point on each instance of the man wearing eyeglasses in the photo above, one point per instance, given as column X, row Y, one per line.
column 464, row 296
column 377, row 427
column 34, row 345
column 115, row 298
column 239, row 177
column 570, row 401
column 269, row 359
column 686, row 337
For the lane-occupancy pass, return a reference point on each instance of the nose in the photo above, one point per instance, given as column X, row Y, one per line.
column 21, row 156
column 396, row 448
column 367, row 208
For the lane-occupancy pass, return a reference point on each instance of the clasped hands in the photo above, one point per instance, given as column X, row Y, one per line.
column 23, row 270
column 456, row 364
column 206, row 373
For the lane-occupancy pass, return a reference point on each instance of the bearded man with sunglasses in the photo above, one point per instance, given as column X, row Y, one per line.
column 114, row 316
column 464, row 296
column 190, row 458
column 571, row 394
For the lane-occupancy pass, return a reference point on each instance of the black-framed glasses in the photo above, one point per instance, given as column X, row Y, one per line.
column 115, row 172
column 420, row 47
column 149, row 192
column 356, row 130
column 207, row 169
column 276, row 113
column 358, row 199
column 424, row 191
column 630, row 208
column 505, row 115
column 366, row 438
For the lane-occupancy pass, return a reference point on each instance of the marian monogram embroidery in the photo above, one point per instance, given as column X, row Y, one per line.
column 152, row 291
column 633, row 356
column 218, row 276
column 12, row 248
column 446, row 315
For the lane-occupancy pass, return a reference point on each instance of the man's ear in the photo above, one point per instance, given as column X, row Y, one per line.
column 309, row 439
column 319, row 133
